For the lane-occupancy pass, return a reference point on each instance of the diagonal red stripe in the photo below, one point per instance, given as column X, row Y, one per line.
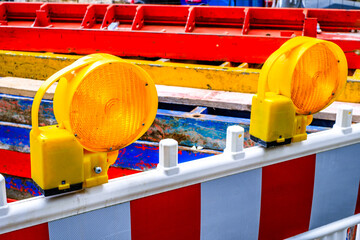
column 171, row 215
column 38, row 232
column 357, row 208
column 286, row 198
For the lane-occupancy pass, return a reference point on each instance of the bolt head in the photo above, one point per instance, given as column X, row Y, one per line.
column 97, row 170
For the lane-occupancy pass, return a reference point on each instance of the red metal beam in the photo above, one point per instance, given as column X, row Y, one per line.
column 232, row 34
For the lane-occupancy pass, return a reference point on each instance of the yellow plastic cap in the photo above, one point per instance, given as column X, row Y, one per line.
column 311, row 72
column 107, row 105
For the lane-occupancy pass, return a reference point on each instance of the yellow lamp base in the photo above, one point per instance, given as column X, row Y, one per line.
column 51, row 147
column 59, row 164
column 274, row 121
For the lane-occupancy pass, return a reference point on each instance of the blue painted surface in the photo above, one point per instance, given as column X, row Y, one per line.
column 144, row 155
column 244, row 3
column 140, row 155
column 257, row 3
column 22, row 184
column 337, row 176
column 15, row 137
column 105, row 223
column 207, row 131
column 184, row 2
column 230, row 206
column 17, row 109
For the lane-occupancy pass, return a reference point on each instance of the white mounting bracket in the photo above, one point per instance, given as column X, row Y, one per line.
column 168, row 156
column 344, row 119
column 235, row 142
column 3, row 200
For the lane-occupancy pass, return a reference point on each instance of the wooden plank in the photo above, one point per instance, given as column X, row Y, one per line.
column 178, row 95
column 42, row 65
column 235, row 79
column 235, row 101
column 24, row 87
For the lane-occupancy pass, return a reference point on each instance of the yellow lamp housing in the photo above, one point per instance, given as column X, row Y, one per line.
column 302, row 77
column 102, row 104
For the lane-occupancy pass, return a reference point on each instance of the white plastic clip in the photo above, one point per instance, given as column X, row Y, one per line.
column 168, row 156
column 3, row 199
column 235, row 142
column 344, row 119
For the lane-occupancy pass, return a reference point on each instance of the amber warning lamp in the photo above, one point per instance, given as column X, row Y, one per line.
column 302, row 77
column 102, row 104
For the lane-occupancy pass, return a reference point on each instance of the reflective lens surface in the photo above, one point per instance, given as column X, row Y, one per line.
column 315, row 80
column 111, row 107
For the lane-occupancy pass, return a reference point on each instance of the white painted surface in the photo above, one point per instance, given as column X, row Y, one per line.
column 112, row 223
column 168, row 156
column 3, row 200
column 230, row 207
column 337, row 176
column 344, row 118
column 168, row 153
column 235, row 142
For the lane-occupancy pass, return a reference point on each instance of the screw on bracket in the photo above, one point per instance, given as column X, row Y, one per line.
column 97, row 170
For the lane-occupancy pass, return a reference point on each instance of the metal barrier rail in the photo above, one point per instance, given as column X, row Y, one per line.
column 333, row 231
column 247, row 175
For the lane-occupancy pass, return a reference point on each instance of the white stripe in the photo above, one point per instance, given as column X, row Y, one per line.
column 106, row 223
column 337, row 176
column 230, row 207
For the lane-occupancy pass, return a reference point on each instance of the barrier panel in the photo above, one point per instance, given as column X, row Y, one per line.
column 251, row 193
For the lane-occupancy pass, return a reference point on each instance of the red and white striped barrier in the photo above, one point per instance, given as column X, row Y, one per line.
column 252, row 193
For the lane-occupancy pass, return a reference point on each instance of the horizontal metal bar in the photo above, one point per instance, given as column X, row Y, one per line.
column 329, row 228
column 229, row 34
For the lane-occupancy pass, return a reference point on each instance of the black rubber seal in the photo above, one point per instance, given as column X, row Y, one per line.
column 56, row 191
column 269, row 144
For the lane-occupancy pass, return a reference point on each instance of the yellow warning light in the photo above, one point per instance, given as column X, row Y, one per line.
column 102, row 104
column 302, row 77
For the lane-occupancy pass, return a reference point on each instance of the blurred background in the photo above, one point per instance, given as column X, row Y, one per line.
column 335, row 4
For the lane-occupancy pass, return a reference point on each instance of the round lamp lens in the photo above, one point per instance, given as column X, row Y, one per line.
column 112, row 105
column 315, row 79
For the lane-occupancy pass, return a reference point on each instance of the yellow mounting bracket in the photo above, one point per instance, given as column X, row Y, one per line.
column 102, row 104
column 301, row 78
